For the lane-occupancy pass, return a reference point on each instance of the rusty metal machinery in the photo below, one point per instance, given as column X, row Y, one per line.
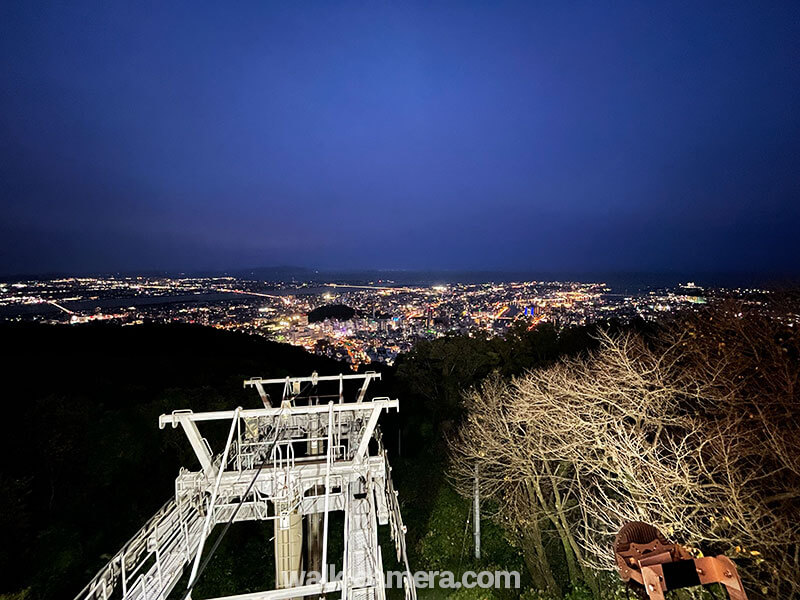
column 654, row 565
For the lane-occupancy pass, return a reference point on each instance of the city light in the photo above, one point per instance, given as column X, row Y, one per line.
column 386, row 321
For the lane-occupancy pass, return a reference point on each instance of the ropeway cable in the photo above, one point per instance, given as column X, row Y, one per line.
column 228, row 524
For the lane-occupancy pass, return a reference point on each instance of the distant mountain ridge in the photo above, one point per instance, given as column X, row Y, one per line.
column 620, row 280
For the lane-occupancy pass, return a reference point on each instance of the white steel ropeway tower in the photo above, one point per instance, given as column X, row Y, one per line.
column 308, row 456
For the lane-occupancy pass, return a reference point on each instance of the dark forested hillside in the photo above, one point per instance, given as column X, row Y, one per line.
column 331, row 311
column 82, row 461
column 84, row 464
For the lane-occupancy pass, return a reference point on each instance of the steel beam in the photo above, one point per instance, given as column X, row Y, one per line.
column 287, row 594
column 311, row 379
column 178, row 417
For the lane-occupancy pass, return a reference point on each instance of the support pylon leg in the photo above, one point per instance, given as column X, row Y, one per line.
column 288, row 550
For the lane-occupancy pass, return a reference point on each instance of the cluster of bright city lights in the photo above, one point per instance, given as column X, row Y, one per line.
column 383, row 319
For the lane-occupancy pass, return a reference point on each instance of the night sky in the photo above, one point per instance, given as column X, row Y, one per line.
column 540, row 136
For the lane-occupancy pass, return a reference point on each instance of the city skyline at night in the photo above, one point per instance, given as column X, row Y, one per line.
column 383, row 299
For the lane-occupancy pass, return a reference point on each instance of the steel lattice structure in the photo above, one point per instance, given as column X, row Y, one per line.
column 281, row 463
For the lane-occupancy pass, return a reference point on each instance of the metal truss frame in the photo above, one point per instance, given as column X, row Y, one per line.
column 257, row 476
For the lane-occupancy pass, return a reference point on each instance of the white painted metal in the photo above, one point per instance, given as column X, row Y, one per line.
column 287, row 594
column 314, row 379
column 328, row 465
column 257, row 471
column 178, row 417
column 198, row 443
column 214, row 494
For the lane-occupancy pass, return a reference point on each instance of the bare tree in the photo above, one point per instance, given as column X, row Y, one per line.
column 695, row 432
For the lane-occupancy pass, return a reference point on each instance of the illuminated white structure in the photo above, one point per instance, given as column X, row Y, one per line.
column 282, row 463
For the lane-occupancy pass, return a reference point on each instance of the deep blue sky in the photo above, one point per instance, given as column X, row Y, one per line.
column 391, row 134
